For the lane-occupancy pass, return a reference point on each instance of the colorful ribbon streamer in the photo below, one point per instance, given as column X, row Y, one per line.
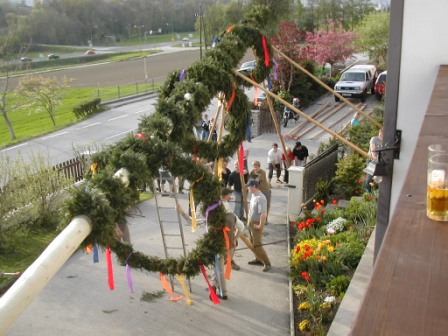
column 194, row 220
column 185, row 288
column 95, row 253
column 213, row 296
column 207, row 212
column 183, row 75
column 232, row 97
column 141, row 136
column 168, row 288
column 110, row 269
column 128, row 274
column 232, row 27
column 228, row 273
column 241, row 159
column 267, row 54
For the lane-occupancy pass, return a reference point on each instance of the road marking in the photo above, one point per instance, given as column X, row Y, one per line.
column 137, row 112
column 17, row 146
column 97, row 123
column 53, row 136
column 124, row 115
column 116, row 135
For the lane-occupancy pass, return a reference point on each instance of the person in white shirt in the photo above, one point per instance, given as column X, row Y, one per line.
column 274, row 162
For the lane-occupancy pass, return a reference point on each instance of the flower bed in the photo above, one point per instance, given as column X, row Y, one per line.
column 327, row 245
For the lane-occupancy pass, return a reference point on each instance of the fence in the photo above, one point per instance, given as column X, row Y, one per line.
column 129, row 89
column 323, row 167
column 73, row 169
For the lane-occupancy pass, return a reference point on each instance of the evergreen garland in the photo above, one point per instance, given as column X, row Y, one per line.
column 166, row 138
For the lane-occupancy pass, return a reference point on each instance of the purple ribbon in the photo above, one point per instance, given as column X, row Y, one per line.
column 210, row 208
column 128, row 274
column 183, row 75
column 95, row 254
column 275, row 69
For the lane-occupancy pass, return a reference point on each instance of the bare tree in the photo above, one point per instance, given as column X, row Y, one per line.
column 5, row 108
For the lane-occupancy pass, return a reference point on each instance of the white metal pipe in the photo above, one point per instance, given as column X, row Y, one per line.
column 14, row 302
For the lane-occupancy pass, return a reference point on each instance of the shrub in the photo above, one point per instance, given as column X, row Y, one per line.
column 349, row 175
column 338, row 286
column 86, row 108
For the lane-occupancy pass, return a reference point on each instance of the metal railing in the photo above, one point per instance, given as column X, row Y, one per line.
column 129, row 90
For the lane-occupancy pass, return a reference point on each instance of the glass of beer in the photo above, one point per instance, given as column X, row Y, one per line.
column 437, row 194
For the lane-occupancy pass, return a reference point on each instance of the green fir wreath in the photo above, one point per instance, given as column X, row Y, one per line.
column 166, row 138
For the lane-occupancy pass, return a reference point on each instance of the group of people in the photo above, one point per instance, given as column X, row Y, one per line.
column 276, row 158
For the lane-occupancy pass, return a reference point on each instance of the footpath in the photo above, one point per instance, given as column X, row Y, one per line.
column 77, row 301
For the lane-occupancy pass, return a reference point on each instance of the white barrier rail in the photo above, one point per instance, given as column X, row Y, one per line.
column 39, row 274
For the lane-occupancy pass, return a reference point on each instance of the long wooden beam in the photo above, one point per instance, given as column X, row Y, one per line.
column 14, row 302
column 284, row 102
column 345, row 100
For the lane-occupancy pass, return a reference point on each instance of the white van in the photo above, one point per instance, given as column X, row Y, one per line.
column 356, row 82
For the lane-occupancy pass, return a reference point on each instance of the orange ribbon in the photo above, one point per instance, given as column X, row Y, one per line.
column 168, row 288
column 232, row 98
column 228, row 272
column 232, row 27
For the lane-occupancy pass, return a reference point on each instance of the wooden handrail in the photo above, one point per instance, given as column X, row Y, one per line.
column 409, row 286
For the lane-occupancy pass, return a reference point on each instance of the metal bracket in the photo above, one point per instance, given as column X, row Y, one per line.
column 397, row 144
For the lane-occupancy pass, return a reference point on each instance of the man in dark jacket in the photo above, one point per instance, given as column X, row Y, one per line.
column 301, row 154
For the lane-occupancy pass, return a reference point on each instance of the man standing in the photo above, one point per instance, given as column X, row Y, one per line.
column 205, row 128
column 235, row 182
column 376, row 143
column 301, row 154
column 274, row 162
column 257, row 220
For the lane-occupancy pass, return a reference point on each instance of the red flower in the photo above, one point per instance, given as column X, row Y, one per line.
column 335, row 202
column 306, row 276
column 319, row 219
column 322, row 202
column 307, row 247
column 298, row 249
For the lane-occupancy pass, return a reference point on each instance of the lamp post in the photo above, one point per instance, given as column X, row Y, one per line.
column 91, row 35
column 139, row 27
column 172, row 30
column 200, row 15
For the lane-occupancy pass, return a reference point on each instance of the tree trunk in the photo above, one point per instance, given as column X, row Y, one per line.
column 8, row 122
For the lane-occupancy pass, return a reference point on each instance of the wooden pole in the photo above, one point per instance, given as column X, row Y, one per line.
column 345, row 100
column 14, row 302
column 284, row 102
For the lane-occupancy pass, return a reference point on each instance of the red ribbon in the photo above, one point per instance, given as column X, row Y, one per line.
column 214, row 297
column 110, row 269
column 241, row 159
column 267, row 55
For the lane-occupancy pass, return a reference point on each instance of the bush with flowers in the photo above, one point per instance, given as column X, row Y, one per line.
column 326, row 249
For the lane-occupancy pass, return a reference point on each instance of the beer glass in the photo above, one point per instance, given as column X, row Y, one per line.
column 437, row 186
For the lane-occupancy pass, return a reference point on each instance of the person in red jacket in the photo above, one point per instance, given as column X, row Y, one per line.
column 288, row 160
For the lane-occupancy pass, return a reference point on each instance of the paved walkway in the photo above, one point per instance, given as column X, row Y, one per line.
column 77, row 300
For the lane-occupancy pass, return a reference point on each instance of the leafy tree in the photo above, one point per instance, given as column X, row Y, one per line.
column 330, row 46
column 289, row 41
column 30, row 193
column 374, row 37
column 43, row 93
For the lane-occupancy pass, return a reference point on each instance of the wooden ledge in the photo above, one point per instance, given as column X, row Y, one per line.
column 408, row 291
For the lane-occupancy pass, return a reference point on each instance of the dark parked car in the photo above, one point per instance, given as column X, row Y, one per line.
column 53, row 56
column 25, row 60
column 380, row 85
